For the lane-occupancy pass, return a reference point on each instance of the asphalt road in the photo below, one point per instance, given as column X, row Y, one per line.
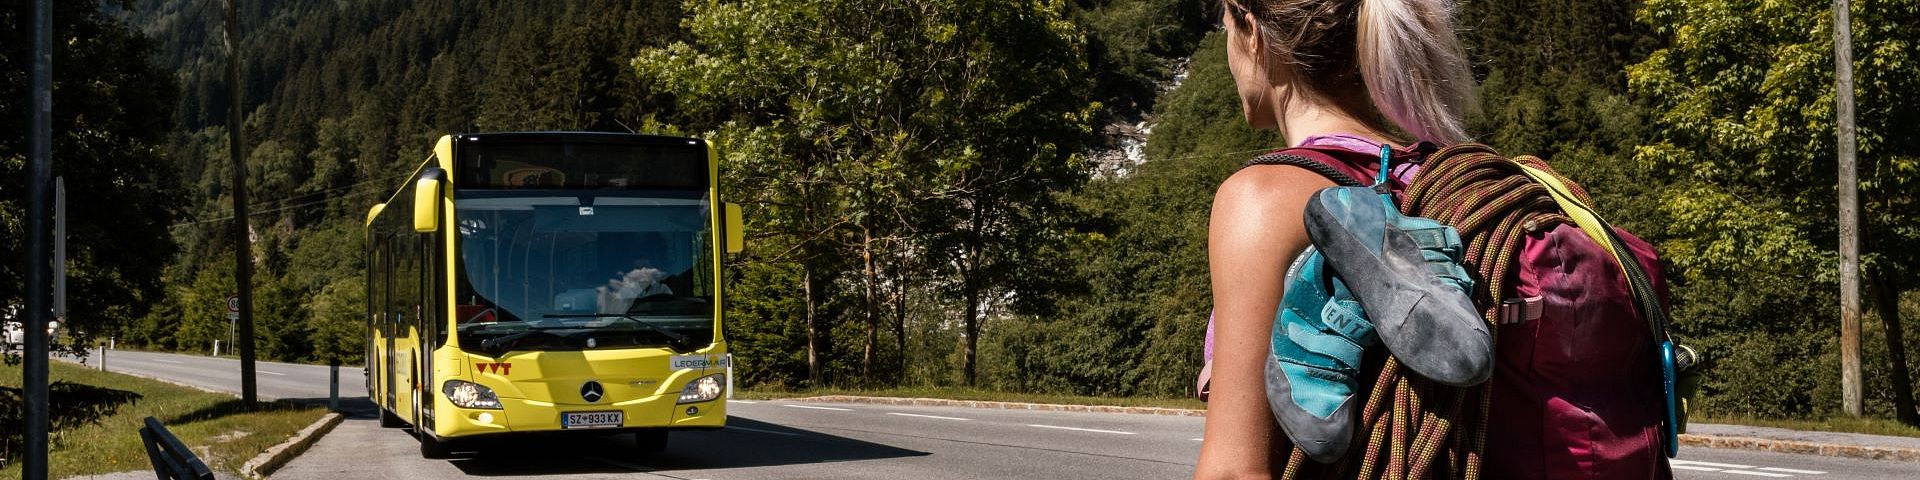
column 796, row 440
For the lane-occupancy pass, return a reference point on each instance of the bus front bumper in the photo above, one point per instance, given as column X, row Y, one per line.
column 526, row 416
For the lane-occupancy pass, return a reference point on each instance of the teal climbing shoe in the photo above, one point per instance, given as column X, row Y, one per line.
column 1320, row 335
column 1405, row 271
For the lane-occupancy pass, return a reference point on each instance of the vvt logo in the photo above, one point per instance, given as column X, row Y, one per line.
column 591, row 391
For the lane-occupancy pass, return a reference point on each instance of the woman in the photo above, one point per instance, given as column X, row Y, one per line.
column 1351, row 74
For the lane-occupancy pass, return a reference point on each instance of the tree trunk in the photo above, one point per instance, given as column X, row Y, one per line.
column 872, row 306
column 972, row 332
column 1888, row 305
column 970, row 292
column 900, row 318
column 813, row 327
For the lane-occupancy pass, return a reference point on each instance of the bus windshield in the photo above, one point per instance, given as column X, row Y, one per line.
column 583, row 269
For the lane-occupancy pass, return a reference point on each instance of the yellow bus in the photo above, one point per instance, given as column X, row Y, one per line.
column 551, row 282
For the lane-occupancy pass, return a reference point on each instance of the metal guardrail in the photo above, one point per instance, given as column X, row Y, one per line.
column 171, row 459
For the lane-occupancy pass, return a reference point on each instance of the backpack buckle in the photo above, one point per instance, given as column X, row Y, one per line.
column 1520, row 310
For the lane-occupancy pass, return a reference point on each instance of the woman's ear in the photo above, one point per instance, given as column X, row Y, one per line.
column 1252, row 35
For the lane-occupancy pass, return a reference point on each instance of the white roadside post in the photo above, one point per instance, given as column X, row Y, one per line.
column 333, row 386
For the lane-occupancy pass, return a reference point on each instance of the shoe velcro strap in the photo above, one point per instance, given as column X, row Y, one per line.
column 1322, row 346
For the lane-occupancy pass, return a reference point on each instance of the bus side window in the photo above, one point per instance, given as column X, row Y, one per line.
column 436, row 293
column 387, row 296
column 375, row 309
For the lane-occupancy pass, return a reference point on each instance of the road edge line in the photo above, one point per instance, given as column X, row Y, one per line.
column 1694, row 440
column 1050, row 407
column 1802, row 448
column 268, row 461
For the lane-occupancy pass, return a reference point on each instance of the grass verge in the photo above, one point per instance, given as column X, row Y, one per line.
column 1871, row 426
column 957, row 393
column 224, row 432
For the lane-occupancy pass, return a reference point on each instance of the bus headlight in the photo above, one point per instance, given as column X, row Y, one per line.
column 703, row 388
column 466, row 394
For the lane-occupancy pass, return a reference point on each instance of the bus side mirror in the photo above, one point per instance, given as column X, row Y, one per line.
column 736, row 229
column 426, row 205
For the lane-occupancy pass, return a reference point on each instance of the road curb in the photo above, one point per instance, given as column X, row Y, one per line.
column 1047, row 407
column 1802, row 448
column 266, row 462
column 1692, row 440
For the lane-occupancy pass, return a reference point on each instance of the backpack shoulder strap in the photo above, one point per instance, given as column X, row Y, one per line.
column 1309, row 159
column 1589, row 221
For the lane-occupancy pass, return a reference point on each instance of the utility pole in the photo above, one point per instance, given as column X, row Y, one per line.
column 39, row 254
column 1850, row 383
column 59, row 253
column 242, row 246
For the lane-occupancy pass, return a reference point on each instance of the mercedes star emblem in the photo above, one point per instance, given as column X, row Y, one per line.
column 591, row 391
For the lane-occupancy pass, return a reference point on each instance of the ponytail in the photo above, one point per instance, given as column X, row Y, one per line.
column 1413, row 67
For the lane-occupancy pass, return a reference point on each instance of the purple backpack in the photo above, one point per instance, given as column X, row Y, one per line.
column 1583, row 378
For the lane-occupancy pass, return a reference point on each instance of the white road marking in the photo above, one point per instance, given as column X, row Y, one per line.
column 1707, row 464
column 169, row 361
column 1081, row 429
column 756, row 430
column 1199, row 439
column 818, row 408
column 1757, row 474
column 749, row 402
column 937, row 417
column 1694, row 468
column 271, row 373
column 1790, row 470
column 1737, row 469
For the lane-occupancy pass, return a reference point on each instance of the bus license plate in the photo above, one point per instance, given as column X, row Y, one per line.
column 591, row 419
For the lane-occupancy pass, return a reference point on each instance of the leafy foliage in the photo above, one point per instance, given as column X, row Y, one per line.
column 927, row 133
column 1137, row 324
column 110, row 120
column 1744, row 100
column 916, row 175
column 341, row 101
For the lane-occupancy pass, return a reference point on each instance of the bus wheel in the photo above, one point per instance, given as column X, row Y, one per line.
column 389, row 420
column 650, row 441
column 433, row 448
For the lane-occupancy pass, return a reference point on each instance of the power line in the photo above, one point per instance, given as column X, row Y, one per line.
column 280, row 209
column 1210, row 155
column 327, row 191
column 297, row 197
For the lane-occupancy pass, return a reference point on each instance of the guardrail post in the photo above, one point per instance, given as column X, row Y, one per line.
column 333, row 386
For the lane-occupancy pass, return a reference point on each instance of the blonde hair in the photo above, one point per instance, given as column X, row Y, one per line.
column 1403, row 53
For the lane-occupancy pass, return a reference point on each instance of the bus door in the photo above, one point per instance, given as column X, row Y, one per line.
column 388, row 321
column 428, row 319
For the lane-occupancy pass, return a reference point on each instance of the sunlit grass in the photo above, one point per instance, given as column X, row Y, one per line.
column 1872, row 426
column 959, row 393
column 223, row 432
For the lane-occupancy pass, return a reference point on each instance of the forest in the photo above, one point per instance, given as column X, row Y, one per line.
column 996, row 194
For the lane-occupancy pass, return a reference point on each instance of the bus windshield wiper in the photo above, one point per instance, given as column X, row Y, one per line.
column 678, row 342
column 505, row 343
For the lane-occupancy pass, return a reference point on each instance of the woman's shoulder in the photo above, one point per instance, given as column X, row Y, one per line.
column 1263, row 185
column 1261, row 207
